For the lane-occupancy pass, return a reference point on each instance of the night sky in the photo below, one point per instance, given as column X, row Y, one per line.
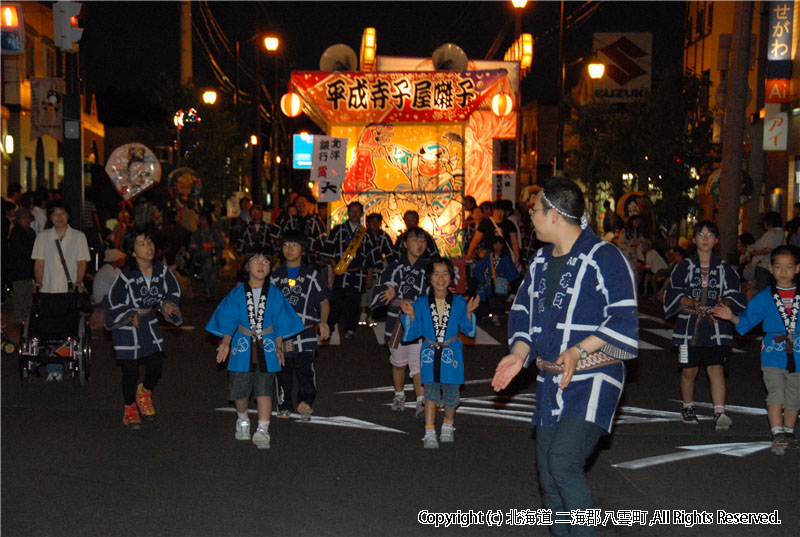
column 126, row 44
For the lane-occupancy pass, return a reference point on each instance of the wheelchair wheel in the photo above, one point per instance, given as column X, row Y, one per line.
column 22, row 347
column 84, row 355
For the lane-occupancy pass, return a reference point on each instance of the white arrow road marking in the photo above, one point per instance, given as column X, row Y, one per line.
column 733, row 408
column 482, row 337
column 659, row 320
column 736, row 449
column 645, row 346
column 338, row 421
column 407, row 387
column 666, row 333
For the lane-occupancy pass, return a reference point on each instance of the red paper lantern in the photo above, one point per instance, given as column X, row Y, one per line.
column 502, row 104
column 291, row 105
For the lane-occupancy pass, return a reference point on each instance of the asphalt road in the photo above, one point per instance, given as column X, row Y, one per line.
column 357, row 468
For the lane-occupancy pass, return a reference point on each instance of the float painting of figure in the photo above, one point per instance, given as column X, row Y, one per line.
column 395, row 168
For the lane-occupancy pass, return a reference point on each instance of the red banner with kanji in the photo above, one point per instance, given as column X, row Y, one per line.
column 424, row 96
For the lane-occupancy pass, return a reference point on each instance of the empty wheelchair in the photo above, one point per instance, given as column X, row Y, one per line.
column 56, row 332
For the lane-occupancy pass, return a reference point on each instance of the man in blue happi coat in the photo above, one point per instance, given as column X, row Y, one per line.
column 575, row 314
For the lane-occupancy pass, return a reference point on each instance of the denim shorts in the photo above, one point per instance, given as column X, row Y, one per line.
column 446, row 394
column 242, row 384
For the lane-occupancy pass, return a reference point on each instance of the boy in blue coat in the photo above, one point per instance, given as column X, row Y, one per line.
column 253, row 320
column 437, row 318
column 777, row 307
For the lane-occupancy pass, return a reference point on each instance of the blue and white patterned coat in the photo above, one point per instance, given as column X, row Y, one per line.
column 305, row 297
column 452, row 359
column 408, row 281
column 232, row 313
column 762, row 308
column 686, row 281
column 596, row 296
column 129, row 293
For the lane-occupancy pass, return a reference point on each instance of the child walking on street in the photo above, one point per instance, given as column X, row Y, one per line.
column 143, row 286
column 696, row 285
column 495, row 273
column 308, row 294
column 438, row 317
column 253, row 320
column 777, row 307
column 403, row 279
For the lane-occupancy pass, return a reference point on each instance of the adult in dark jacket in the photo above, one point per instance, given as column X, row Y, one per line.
column 20, row 264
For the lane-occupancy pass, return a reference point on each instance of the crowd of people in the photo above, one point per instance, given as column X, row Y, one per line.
column 568, row 296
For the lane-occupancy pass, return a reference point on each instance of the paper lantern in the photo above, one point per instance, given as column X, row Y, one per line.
column 133, row 168
column 502, row 104
column 291, row 105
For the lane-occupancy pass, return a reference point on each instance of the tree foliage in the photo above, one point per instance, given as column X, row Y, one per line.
column 658, row 140
column 215, row 144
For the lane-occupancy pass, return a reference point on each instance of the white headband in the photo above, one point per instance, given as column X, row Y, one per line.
column 584, row 221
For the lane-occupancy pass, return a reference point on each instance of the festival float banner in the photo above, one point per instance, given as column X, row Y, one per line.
column 395, row 168
column 410, row 136
column 393, row 97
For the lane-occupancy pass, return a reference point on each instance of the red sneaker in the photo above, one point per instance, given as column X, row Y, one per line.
column 130, row 418
column 145, row 403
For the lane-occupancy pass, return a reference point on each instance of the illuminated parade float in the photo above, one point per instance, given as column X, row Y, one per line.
column 421, row 135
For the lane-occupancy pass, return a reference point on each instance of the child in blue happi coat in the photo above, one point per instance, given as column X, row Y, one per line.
column 253, row 320
column 437, row 318
column 777, row 307
column 495, row 272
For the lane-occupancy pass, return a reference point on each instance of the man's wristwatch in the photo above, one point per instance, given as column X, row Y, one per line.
column 582, row 353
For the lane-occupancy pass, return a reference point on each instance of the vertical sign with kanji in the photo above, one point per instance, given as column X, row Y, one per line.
column 328, row 163
column 781, row 18
column 776, row 128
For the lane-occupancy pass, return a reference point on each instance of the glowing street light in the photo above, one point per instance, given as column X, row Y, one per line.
column 209, row 97
column 596, row 70
column 271, row 43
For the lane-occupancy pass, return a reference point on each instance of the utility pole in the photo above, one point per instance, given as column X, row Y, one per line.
column 258, row 160
column 757, row 157
column 66, row 35
column 186, row 42
column 72, row 186
column 733, row 135
column 558, row 164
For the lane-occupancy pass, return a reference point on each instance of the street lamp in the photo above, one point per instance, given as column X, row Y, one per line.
column 272, row 43
column 209, row 97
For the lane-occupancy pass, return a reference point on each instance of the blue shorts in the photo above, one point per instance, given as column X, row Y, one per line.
column 446, row 394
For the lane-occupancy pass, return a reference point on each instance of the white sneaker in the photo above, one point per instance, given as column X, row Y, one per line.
column 429, row 440
column 399, row 403
column 419, row 408
column 243, row 429
column 447, row 434
column 261, row 438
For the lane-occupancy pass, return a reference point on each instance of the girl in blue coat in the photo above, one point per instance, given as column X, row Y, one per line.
column 253, row 320
column 437, row 318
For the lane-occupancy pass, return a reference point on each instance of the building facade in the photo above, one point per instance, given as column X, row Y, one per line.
column 33, row 160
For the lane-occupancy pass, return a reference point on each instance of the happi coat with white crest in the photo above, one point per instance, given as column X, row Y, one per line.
column 132, row 293
column 280, row 320
column 686, row 280
column 451, row 359
column 595, row 296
